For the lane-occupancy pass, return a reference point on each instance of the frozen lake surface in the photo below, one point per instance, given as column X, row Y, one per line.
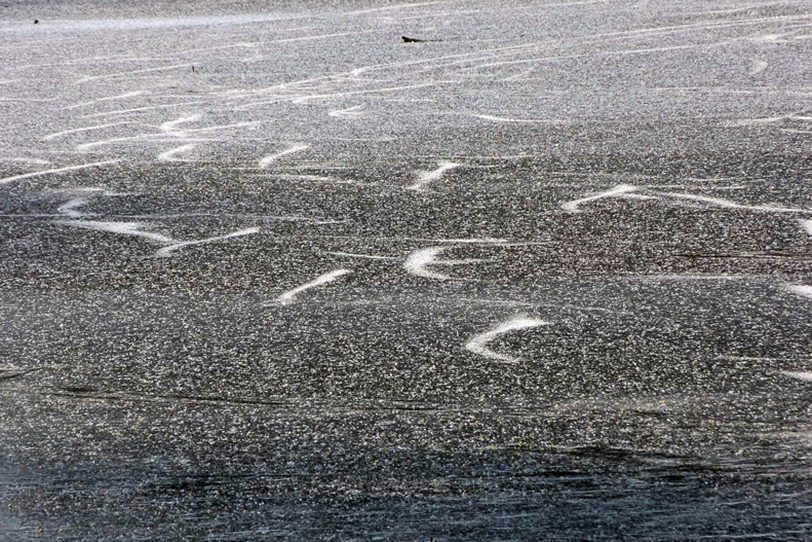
column 268, row 272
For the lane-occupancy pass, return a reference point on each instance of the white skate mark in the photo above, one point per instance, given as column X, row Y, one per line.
column 391, row 8
column 315, row 179
column 363, row 256
column 248, row 124
column 140, row 109
column 426, row 177
column 732, row 204
column 170, row 127
column 621, row 189
column 136, row 229
column 110, row 98
column 494, row 118
column 126, row 74
column 349, row 113
column 167, row 251
column 305, row 98
column 479, row 344
column 761, row 121
column 169, row 156
column 155, row 138
column 474, row 241
column 290, row 295
column 38, row 161
column 167, row 130
column 677, row 278
column 418, row 261
column 806, row 225
column 271, row 158
column 57, row 170
column 800, row 290
column 69, row 208
column 83, row 129
column 122, row 228
column 758, row 67
column 803, row 376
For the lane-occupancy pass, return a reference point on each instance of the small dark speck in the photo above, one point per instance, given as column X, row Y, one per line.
column 36, row 21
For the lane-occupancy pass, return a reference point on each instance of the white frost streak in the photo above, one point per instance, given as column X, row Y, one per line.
column 479, row 344
column 58, row 170
column 136, row 229
column 800, row 289
column 271, row 158
column 290, row 296
column 806, row 225
column 169, row 156
column 621, row 189
column 83, row 129
column 69, row 208
column 494, row 118
column 803, row 376
column 167, row 251
column 731, row 204
column 123, row 228
column 349, row 113
column 427, row 177
column 418, row 261
column 169, row 127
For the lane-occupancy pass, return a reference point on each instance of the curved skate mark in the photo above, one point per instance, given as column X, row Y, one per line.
column 427, row 177
column 123, row 228
column 155, row 138
column 290, row 296
column 494, row 118
column 170, row 127
column 126, row 74
column 57, row 170
column 800, row 290
column 803, row 376
column 732, row 204
column 355, row 112
column 169, row 156
column 70, row 208
column 140, row 109
column 110, row 98
column 418, row 261
column 83, row 129
column 136, row 229
column 619, row 190
column 247, row 124
column 271, row 158
column 167, row 251
column 479, row 344
column 762, row 121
